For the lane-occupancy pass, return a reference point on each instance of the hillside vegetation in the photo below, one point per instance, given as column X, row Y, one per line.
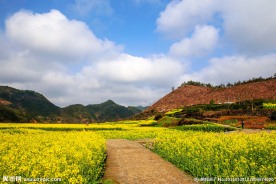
column 107, row 111
column 30, row 106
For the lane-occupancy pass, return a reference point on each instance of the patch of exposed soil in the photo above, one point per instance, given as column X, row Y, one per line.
column 4, row 102
column 250, row 122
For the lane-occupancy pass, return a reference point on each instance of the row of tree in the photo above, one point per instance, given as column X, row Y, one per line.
column 259, row 79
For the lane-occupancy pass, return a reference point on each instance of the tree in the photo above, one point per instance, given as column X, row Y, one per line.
column 212, row 102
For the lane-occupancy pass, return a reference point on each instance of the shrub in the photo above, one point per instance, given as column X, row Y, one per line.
column 230, row 121
column 157, row 117
column 273, row 115
column 168, row 121
column 188, row 121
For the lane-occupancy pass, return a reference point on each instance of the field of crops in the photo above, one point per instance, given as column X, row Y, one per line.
column 206, row 128
column 77, row 153
column 209, row 155
column 269, row 105
column 34, row 155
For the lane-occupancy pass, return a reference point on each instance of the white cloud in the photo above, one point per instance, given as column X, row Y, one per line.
column 233, row 69
column 181, row 16
column 202, row 42
column 53, row 35
column 66, row 62
column 129, row 69
column 249, row 25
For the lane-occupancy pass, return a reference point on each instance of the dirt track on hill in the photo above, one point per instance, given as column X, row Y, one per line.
column 129, row 162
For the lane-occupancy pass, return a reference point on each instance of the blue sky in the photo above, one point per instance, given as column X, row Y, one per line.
column 130, row 23
column 133, row 52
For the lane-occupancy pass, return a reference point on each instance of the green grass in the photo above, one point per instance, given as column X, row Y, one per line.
column 230, row 121
column 205, row 128
column 167, row 121
column 171, row 112
column 270, row 127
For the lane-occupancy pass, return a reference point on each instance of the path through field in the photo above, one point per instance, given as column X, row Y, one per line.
column 130, row 162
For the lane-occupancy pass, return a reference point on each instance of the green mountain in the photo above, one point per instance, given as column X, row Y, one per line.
column 29, row 101
column 8, row 114
column 28, row 106
column 141, row 108
column 110, row 111
column 75, row 114
column 107, row 111
column 25, row 105
column 134, row 110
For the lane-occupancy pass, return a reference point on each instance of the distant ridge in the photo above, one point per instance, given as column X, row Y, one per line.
column 187, row 95
column 28, row 100
column 30, row 106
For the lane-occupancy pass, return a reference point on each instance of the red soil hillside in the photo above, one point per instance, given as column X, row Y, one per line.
column 190, row 95
column 4, row 102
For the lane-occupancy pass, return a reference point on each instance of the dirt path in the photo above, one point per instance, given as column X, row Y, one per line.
column 129, row 162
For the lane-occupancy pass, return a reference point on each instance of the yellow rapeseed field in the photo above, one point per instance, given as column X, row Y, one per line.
column 221, row 155
column 134, row 133
column 76, row 153
column 72, row 157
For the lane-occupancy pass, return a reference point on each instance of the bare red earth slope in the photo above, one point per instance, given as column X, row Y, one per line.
column 4, row 102
column 190, row 95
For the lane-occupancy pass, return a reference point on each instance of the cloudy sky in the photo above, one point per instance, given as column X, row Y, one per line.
column 132, row 51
